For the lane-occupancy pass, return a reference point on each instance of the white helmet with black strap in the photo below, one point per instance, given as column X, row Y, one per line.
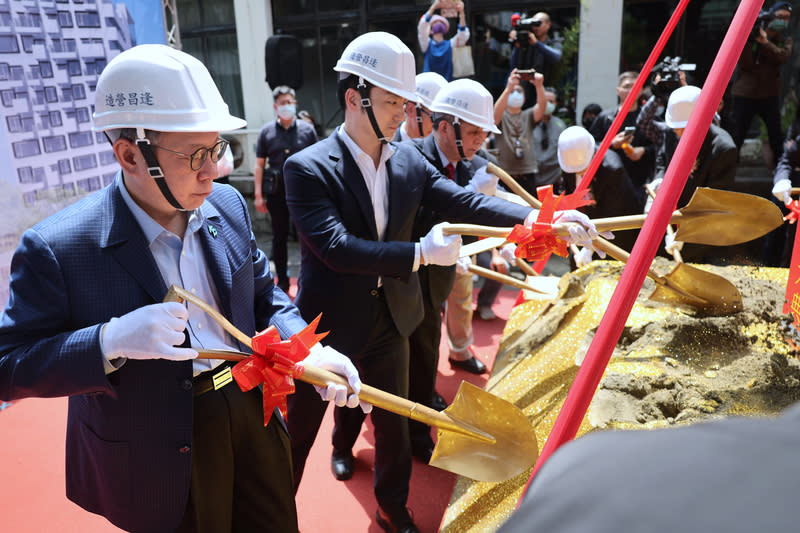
column 469, row 101
column 383, row 60
column 156, row 87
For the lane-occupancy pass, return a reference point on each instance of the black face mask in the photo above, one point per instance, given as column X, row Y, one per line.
column 587, row 122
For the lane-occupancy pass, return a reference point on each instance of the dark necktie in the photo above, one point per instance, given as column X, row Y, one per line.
column 450, row 170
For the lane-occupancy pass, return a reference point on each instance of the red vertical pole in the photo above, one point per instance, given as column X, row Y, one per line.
column 610, row 328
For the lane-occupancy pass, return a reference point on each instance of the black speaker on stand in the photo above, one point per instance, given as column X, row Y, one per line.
column 283, row 57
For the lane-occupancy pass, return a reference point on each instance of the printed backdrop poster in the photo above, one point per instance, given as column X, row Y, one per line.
column 50, row 57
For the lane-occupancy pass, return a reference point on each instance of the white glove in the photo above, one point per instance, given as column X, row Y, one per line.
column 328, row 358
column 654, row 185
column 583, row 257
column 462, row 266
column 507, row 253
column 581, row 233
column 671, row 245
column 782, row 191
column 483, row 182
column 150, row 332
column 438, row 248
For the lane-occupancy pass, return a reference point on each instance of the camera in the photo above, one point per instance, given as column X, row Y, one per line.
column 669, row 80
column 527, row 75
column 523, row 26
column 762, row 21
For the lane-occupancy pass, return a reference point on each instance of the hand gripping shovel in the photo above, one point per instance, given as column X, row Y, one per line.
column 480, row 435
column 713, row 217
column 685, row 286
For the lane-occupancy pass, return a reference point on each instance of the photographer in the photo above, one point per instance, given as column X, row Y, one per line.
column 532, row 48
column 757, row 90
column 277, row 141
column 517, row 153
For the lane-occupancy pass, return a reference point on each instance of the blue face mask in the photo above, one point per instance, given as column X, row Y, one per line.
column 549, row 108
column 516, row 99
column 779, row 25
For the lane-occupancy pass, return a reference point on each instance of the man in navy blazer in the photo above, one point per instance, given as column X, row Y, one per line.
column 354, row 198
column 157, row 439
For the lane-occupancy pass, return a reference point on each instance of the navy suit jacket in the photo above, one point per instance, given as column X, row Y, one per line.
column 128, row 433
column 341, row 254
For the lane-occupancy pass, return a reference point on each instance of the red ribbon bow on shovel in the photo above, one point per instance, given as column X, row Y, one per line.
column 539, row 241
column 274, row 363
column 794, row 211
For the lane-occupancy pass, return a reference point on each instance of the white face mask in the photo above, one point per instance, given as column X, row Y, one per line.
column 287, row 111
column 516, row 99
column 659, row 110
column 549, row 108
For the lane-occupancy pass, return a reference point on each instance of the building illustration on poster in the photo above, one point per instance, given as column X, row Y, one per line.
column 51, row 53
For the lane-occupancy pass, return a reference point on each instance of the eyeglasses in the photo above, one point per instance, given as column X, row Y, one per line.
column 198, row 158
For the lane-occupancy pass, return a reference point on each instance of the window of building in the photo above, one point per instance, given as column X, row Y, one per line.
column 46, row 69
column 30, row 20
column 39, row 175
column 82, row 115
column 83, row 162
column 78, row 92
column 100, row 137
column 107, row 157
column 108, row 178
column 8, row 44
column 65, row 19
column 50, row 94
column 19, row 123
column 7, row 96
column 5, row 18
column 4, row 71
column 80, row 138
column 25, row 174
column 64, row 167
column 74, row 67
column 17, row 72
column 55, row 118
column 27, row 43
column 26, row 148
column 54, row 143
column 87, row 19
column 89, row 184
column 66, row 96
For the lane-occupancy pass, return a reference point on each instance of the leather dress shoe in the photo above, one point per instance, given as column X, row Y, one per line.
column 402, row 524
column 342, row 465
column 472, row 365
column 437, row 402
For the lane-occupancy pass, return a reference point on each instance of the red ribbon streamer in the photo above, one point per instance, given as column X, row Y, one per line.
column 273, row 363
column 794, row 211
column 538, row 242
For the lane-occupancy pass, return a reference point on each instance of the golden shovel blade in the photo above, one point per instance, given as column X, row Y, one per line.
column 706, row 292
column 722, row 218
column 514, row 448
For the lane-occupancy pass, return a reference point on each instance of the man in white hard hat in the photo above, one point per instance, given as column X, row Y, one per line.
column 157, row 439
column 354, row 197
column 418, row 122
column 611, row 188
column 715, row 166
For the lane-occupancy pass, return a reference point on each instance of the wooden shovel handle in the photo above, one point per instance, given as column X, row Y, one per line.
column 512, row 184
column 502, row 278
column 321, row 378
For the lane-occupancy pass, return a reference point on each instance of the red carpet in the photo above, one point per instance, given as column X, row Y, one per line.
column 32, row 496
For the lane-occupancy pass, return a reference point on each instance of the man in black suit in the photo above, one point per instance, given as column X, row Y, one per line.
column 354, row 198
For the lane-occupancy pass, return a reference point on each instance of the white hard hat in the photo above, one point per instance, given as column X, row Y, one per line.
column 469, row 101
column 156, row 87
column 575, row 149
column 428, row 86
column 383, row 60
column 680, row 106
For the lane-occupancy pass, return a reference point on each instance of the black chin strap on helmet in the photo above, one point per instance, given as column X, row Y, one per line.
column 459, row 142
column 154, row 169
column 419, row 119
column 366, row 103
